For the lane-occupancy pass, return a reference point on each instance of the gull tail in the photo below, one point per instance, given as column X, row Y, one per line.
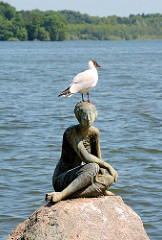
column 66, row 93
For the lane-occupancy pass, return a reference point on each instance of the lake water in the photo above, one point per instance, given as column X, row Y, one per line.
column 33, row 119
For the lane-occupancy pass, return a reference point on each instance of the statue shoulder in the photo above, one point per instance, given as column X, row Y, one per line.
column 70, row 131
column 94, row 131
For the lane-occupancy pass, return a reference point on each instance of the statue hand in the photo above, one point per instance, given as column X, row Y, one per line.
column 113, row 173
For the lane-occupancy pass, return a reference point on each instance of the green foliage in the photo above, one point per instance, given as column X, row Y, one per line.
column 73, row 17
column 31, row 25
column 55, row 24
column 43, row 35
column 13, row 39
column 5, row 29
column 71, row 25
column 113, row 28
column 7, row 11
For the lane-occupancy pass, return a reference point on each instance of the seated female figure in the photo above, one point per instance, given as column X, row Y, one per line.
column 71, row 177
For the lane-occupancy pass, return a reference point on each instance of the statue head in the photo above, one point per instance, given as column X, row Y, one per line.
column 85, row 113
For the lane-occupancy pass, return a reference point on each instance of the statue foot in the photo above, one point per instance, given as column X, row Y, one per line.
column 53, row 197
column 56, row 197
column 108, row 193
column 48, row 197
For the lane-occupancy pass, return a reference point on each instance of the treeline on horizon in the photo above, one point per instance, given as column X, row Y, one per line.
column 71, row 25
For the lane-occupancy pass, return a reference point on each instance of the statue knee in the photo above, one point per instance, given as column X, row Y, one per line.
column 93, row 168
column 88, row 172
column 105, row 180
column 109, row 179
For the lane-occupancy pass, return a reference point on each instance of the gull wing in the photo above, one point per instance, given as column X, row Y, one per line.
column 82, row 81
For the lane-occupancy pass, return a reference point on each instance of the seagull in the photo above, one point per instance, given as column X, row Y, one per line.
column 83, row 82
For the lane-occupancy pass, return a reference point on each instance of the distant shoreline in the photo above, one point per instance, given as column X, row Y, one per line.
column 70, row 25
column 79, row 40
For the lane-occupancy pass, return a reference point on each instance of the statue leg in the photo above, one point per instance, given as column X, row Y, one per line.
column 99, row 186
column 83, row 177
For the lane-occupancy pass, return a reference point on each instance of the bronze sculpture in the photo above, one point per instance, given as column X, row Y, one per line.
column 71, row 177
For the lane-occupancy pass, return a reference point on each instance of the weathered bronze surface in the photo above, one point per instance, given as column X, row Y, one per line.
column 80, row 171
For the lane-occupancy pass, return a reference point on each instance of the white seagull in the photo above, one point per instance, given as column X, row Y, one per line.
column 83, row 82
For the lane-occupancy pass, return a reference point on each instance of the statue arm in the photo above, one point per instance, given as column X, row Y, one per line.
column 96, row 146
column 89, row 158
column 96, row 142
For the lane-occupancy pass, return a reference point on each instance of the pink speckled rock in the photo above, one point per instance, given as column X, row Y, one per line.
column 105, row 218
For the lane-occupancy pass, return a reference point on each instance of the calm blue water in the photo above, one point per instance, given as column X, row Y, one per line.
column 32, row 121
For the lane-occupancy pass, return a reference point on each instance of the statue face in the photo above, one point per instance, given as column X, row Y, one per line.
column 85, row 113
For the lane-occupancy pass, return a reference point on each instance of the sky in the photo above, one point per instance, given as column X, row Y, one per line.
column 92, row 7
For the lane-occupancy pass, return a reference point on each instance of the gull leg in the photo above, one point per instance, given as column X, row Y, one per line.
column 82, row 98
column 88, row 97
